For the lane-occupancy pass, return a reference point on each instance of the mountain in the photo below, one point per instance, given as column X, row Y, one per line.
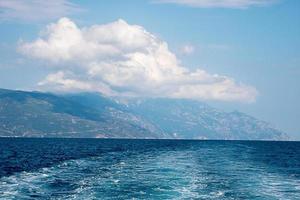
column 192, row 119
column 35, row 114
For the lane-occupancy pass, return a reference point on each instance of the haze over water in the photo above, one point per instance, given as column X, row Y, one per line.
column 148, row 169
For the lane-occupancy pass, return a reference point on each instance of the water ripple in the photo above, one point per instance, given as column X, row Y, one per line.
column 168, row 170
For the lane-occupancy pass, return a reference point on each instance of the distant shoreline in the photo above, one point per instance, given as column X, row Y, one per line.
column 150, row 139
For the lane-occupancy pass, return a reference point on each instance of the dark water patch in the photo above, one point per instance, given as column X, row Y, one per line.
column 148, row 169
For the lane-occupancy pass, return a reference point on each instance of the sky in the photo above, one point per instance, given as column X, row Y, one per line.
column 233, row 54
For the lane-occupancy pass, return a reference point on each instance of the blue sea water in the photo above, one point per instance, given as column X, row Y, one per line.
column 148, row 169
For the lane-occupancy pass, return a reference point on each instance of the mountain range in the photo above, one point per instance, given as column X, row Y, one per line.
column 37, row 114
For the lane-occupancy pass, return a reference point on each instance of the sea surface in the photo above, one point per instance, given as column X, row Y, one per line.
column 148, row 169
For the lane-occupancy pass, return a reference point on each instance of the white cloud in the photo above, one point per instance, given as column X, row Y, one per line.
column 187, row 49
column 65, row 81
column 240, row 4
column 35, row 10
column 126, row 60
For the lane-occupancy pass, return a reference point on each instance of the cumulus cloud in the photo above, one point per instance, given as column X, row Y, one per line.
column 240, row 4
column 120, row 59
column 35, row 10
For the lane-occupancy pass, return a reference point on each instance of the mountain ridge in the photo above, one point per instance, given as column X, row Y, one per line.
column 37, row 114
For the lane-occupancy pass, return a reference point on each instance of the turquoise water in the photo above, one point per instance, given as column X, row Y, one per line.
column 148, row 169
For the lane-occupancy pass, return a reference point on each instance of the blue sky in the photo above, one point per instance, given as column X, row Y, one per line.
column 256, row 45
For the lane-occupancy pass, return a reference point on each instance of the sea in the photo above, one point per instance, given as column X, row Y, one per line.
column 32, row 168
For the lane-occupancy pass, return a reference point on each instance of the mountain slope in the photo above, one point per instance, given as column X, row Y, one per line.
column 192, row 119
column 34, row 114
